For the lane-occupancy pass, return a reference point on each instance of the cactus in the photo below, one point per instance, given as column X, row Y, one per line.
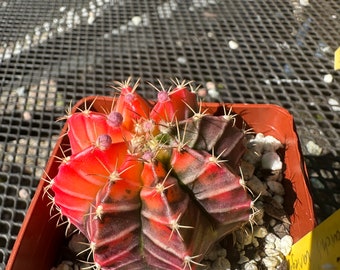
column 152, row 186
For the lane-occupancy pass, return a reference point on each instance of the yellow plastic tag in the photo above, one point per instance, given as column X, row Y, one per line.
column 319, row 249
column 337, row 59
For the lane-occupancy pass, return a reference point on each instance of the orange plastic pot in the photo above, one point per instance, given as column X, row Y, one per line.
column 39, row 240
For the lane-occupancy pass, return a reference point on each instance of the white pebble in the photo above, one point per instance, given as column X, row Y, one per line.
column 271, row 161
column 333, row 101
column 271, row 144
column 328, row 78
column 182, row 60
column 270, row 262
column 136, row 20
column 233, row 44
column 313, row 148
column 91, row 18
column 20, row 90
column 271, row 252
column 269, row 245
column 278, row 247
column 214, row 94
column 84, row 12
column 115, row 32
column 60, row 29
column 286, row 244
column 23, row 194
column 47, row 26
column 304, row 2
column 210, row 34
column 271, row 238
column 26, row 115
column 99, row 3
column 92, row 6
column 210, row 86
column 251, row 265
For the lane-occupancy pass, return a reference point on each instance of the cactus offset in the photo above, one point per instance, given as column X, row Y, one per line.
column 152, row 187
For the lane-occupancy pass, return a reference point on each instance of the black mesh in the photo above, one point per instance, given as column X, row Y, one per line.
column 55, row 53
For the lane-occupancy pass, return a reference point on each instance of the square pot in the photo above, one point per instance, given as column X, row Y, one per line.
column 39, row 241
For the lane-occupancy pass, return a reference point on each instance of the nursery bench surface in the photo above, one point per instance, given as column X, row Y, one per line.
column 53, row 54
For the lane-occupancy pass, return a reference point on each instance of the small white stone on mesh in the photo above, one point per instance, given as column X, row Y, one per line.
column 136, row 20
column 182, row 60
column 304, row 2
column 23, row 194
column 313, row 148
column 328, row 78
column 233, row 45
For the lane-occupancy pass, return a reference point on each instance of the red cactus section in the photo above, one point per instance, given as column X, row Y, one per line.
column 113, row 226
column 176, row 105
column 167, row 219
column 227, row 202
column 80, row 178
column 163, row 111
column 132, row 106
column 92, row 124
column 185, row 101
column 213, row 134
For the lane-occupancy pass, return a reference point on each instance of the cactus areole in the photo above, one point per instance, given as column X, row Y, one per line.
column 152, row 186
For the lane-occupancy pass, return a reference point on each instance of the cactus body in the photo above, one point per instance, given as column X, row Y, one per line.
column 152, row 187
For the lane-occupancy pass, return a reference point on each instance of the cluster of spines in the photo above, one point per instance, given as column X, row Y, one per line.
column 152, row 186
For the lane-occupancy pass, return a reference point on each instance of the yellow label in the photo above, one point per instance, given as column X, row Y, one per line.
column 337, row 59
column 319, row 249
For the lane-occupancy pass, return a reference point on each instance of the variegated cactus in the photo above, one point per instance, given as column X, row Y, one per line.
column 152, row 187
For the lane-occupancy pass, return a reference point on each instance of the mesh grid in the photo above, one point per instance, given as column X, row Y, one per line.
column 55, row 53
